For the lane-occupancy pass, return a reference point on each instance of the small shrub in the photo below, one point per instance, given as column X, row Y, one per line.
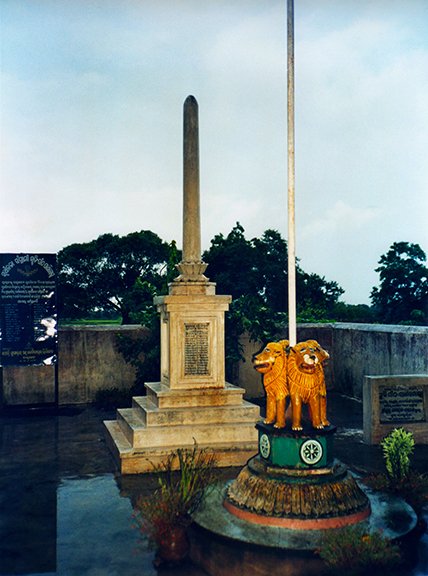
column 399, row 477
column 353, row 550
column 397, row 448
column 179, row 492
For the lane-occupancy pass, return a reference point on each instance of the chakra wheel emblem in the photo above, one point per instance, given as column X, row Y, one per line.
column 311, row 452
column 264, row 445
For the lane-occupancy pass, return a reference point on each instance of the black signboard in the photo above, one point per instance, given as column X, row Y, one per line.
column 28, row 319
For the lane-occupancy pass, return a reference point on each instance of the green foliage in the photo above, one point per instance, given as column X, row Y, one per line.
column 91, row 321
column 255, row 273
column 179, row 493
column 353, row 313
column 353, row 550
column 259, row 267
column 143, row 350
column 232, row 265
column 247, row 314
column 112, row 273
column 400, row 478
column 271, row 264
column 403, row 292
column 397, row 448
column 316, row 293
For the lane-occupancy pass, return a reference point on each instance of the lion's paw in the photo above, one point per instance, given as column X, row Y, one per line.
column 297, row 428
column 279, row 425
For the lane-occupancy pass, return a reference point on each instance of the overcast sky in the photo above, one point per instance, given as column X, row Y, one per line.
column 92, row 94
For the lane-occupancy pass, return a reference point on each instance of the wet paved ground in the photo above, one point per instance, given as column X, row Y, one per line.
column 65, row 511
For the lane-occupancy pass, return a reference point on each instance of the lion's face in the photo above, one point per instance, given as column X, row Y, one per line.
column 308, row 355
column 265, row 361
column 320, row 352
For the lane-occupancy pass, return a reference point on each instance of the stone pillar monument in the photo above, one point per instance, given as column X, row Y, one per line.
column 191, row 267
column 192, row 316
column 192, row 401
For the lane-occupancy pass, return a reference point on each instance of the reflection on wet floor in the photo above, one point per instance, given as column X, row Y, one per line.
column 64, row 510
column 100, row 526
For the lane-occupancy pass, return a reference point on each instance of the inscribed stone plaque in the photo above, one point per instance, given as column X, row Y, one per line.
column 196, row 349
column 28, row 333
column 401, row 404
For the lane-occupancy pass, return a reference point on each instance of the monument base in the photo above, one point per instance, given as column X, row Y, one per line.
column 305, row 449
column 300, row 499
column 218, row 419
column 223, row 542
column 295, row 483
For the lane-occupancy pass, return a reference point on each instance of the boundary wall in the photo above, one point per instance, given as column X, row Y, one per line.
column 356, row 351
column 89, row 361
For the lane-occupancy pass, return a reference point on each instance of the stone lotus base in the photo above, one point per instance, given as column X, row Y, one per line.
column 298, row 499
column 390, row 515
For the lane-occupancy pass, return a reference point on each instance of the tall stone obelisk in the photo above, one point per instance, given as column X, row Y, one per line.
column 192, row 316
column 192, row 401
column 191, row 267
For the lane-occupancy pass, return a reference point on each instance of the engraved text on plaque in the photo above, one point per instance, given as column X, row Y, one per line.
column 196, row 349
column 401, row 404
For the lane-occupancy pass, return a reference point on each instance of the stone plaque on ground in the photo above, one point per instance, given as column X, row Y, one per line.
column 399, row 401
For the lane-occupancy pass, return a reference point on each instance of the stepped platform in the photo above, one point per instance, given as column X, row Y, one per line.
column 217, row 419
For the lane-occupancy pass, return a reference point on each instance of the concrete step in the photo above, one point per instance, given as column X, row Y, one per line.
column 151, row 415
column 142, row 437
column 116, row 441
column 164, row 397
column 141, row 461
column 128, row 421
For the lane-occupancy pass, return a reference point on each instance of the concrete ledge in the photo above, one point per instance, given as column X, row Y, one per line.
column 151, row 415
column 399, row 401
column 163, row 397
column 138, row 461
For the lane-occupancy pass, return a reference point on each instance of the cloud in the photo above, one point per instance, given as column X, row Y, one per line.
column 338, row 219
column 92, row 97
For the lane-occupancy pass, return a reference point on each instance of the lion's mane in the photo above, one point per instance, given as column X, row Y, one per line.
column 275, row 381
column 305, row 385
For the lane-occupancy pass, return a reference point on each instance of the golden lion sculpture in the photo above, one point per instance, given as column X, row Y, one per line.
column 298, row 373
column 272, row 363
column 322, row 356
column 306, row 383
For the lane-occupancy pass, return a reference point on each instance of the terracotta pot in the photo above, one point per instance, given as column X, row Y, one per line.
column 173, row 547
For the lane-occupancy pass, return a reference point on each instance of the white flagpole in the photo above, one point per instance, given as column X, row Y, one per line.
column 292, row 323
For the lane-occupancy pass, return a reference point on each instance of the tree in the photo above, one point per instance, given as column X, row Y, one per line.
column 231, row 263
column 259, row 268
column 403, row 292
column 271, row 257
column 255, row 273
column 316, row 296
column 354, row 313
column 113, row 273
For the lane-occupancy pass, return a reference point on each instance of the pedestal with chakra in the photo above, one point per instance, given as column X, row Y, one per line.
column 295, row 482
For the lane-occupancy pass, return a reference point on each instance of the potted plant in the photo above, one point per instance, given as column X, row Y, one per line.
column 165, row 514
